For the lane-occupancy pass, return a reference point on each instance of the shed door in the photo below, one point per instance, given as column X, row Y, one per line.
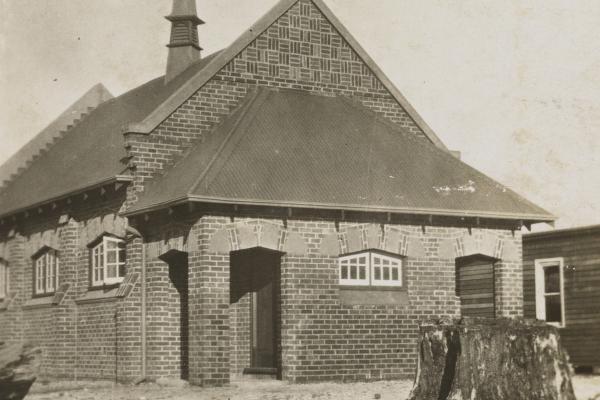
column 475, row 287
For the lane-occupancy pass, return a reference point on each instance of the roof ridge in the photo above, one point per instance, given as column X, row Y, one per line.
column 202, row 77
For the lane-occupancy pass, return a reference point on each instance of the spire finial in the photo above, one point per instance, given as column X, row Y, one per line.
column 184, row 48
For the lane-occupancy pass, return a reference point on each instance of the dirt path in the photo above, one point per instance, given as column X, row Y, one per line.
column 586, row 388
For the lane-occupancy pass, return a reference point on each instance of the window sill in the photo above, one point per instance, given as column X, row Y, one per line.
column 373, row 288
column 370, row 295
column 39, row 302
column 109, row 293
column 99, row 295
column 43, row 295
column 105, row 287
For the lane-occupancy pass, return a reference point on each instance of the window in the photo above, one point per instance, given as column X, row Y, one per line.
column 46, row 269
column 549, row 291
column 370, row 269
column 3, row 279
column 108, row 261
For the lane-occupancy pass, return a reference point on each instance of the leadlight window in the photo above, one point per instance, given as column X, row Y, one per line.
column 370, row 269
column 549, row 291
column 3, row 279
column 46, row 272
column 108, row 261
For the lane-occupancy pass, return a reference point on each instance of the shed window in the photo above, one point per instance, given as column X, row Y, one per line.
column 3, row 279
column 108, row 261
column 370, row 269
column 549, row 291
column 46, row 271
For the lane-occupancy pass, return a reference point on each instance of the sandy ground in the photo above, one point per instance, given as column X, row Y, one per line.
column 586, row 388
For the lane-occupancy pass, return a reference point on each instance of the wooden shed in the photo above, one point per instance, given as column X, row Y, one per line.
column 561, row 282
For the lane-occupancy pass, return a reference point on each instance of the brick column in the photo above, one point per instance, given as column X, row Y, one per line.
column 11, row 325
column 129, row 344
column 208, row 312
column 509, row 289
column 64, row 349
column 509, row 279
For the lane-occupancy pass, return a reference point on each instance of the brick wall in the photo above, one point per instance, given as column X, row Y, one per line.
column 321, row 337
column 78, row 340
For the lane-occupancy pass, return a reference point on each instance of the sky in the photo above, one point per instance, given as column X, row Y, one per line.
column 514, row 85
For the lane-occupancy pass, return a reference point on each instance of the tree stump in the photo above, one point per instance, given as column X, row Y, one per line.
column 491, row 359
column 19, row 365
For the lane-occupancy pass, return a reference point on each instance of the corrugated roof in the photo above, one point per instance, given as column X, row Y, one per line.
column 91, row 152
column 295, row 149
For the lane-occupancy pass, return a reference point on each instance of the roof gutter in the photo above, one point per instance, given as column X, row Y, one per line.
column 97, row 185
column 357, row 208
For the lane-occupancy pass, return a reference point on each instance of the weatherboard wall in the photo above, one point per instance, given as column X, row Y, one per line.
column 580, row 250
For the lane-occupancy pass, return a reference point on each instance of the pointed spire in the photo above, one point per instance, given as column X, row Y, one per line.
column 184, row 48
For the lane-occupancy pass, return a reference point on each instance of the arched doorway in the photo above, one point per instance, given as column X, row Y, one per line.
column 255, row 285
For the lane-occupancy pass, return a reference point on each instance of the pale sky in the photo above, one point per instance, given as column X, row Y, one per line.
column 514, row 85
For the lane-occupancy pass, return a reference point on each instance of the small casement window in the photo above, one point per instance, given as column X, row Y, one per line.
column 549, row 291
column 108, row 261
column 370, row 269
column 3, row 279
column 46, row 271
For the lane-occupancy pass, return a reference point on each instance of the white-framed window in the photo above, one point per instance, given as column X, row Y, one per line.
column 549, row 291
column 3, row 279
column 386, row 271
column 354, row 270
column 370, row 268
column 46, row 271
column 108, row 261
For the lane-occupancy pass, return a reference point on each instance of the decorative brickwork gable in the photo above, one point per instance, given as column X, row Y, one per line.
column 302, row 50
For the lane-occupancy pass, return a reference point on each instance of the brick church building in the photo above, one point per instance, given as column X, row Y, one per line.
column 277, row 207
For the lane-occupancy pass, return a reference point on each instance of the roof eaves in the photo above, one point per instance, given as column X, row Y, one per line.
column 104, row 182
column 347, row 207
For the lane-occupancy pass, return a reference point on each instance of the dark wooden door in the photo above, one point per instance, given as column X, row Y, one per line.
column 475, row 286
column 263, row 327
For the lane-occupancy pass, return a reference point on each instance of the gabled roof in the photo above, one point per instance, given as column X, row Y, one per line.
column 203, row 76
column 89, row 154
column 77, row 111
column 294, row 149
